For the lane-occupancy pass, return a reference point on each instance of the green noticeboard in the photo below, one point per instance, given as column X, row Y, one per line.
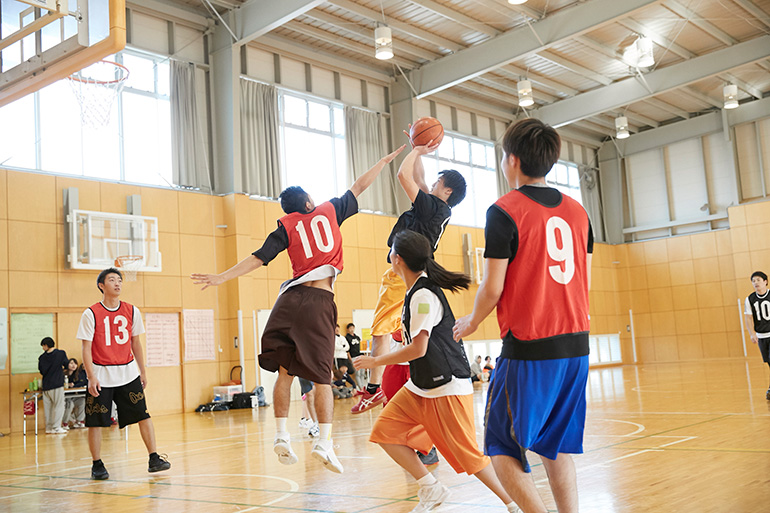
column 27, row 330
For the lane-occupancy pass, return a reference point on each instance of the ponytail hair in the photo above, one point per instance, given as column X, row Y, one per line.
column 416, row 252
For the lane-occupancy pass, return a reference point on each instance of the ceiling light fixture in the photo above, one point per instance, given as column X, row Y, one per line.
column 525, row 93
column 730, row 96
column 644, row 55
column 383, row 43
column 621, row 127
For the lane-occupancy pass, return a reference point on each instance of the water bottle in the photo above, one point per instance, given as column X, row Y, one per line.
column 65, row 381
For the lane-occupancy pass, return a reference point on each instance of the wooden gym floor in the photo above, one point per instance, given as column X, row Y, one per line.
column 689, row 437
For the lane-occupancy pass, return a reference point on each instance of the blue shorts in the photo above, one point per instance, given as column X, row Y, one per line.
column 536, row 405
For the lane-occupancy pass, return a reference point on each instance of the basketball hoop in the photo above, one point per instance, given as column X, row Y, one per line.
column 96, row 88
column 129, row 265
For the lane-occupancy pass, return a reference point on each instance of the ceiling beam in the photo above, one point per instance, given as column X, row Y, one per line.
column 601, row 48
column 367, row 33
column 517, row 73
column 659, row 81
column 258, row 17
column 635, row 26
column 457, row 17
column 635, row 117
column 451, row 98
column 754, row 10
column 744, row 86
column 667, row 107
column 697, row 20
column 520, row 42
column 342, row 42
column 573, row 67
column 491, row 92
column 488, row 79
column 694, row 93
column 395, row 24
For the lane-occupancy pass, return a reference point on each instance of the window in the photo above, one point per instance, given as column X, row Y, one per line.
column 475, row 160
column 313, row 139
column 46, row 133
column 565, row 177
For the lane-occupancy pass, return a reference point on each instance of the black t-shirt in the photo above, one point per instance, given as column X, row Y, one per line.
column 760, row 311
column 51, row 366
column 501, row 233
column 428, row 216
column 354, row 341
column 345, row 206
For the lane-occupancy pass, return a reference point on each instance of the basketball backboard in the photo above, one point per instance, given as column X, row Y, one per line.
column 42, row 41
column 98, row 238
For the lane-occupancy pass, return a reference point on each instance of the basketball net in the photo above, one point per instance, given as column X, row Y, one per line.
column 129, row 265
column 96, row 88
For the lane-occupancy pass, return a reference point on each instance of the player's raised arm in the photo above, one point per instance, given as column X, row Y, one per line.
column 411, row 174
column 365, row 180
column 245, row 266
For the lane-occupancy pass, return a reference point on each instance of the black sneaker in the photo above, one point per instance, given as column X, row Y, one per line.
column 767, row 395
column 159, row 463
column 98, row 472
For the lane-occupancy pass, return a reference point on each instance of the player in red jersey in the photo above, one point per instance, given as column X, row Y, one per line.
column 299, row 336
column 537, row 273
column 114, row 363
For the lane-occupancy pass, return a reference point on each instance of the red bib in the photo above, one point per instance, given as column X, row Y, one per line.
column 112, row 334
column 314, row 239
column 546, row 284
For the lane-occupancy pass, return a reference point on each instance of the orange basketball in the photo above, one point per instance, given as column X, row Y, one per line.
column 425, row 129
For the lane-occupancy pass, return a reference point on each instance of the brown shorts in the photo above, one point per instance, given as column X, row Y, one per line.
column 299, row 335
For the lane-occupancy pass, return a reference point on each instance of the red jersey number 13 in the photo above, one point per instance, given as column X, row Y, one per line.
column 121, row 337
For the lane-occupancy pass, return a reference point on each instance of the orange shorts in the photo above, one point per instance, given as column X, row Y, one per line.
column 387, row 313
column 420, row 423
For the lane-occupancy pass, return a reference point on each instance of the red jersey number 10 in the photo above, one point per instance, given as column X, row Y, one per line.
column 317, row 224
column 121, row 323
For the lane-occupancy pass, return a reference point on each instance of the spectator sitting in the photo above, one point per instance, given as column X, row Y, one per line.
column 489, row 369
column 339, row 384
column 477, row 373
column 74, row 407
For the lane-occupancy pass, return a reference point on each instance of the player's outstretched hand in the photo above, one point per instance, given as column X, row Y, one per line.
column 463, row 327
column 426, row 149
column 207, row 280
column 387, row 159
column 364, row 362
column 754, row 338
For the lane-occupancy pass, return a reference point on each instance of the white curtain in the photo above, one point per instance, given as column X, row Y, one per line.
column 188, row 144
column 365, row 146
column 502, row 184
column 260, row 157
column 590, row 191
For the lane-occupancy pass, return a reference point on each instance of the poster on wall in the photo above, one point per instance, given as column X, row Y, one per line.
column 3, row 337
column 27, row 330
column 199, row 335
column 162, row 333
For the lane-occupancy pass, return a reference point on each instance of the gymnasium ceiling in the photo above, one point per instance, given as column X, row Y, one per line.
column 473, row 52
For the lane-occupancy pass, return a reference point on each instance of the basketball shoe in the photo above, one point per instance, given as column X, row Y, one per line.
column 431, row 497
column 323, row 451
column 282, row 447
column 368, row 401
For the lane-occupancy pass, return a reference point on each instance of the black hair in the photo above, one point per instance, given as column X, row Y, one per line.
column 416, row 252
column 455, row 181
column 103, row 276
column 47, row 342
column 349, row 325
column 760, row 274
column 536, row 145
column 293, row 199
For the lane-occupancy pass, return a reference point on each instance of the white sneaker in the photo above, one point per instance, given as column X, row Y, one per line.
column 431, row 497
column 314, row 430
column 282, row 447
column 327, row 457
column 305, row 423
column 57, row 431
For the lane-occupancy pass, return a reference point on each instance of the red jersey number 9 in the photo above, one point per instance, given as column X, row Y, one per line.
column 564, row 254
column 317, row 224
column 121, row 337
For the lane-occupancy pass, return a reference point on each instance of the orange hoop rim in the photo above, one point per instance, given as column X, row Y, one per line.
column 123, row 78
column 127, row 259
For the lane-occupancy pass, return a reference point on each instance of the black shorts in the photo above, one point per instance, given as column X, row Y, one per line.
column 305, row 386
column 764, row 348
column 299, row 335
column 128, row 398
column 347, row 363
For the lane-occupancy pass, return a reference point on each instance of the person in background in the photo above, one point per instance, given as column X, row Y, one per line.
column 51, row 365
column 477, row 373
column 75, row 407
column 758, row 317
column 354, row 344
